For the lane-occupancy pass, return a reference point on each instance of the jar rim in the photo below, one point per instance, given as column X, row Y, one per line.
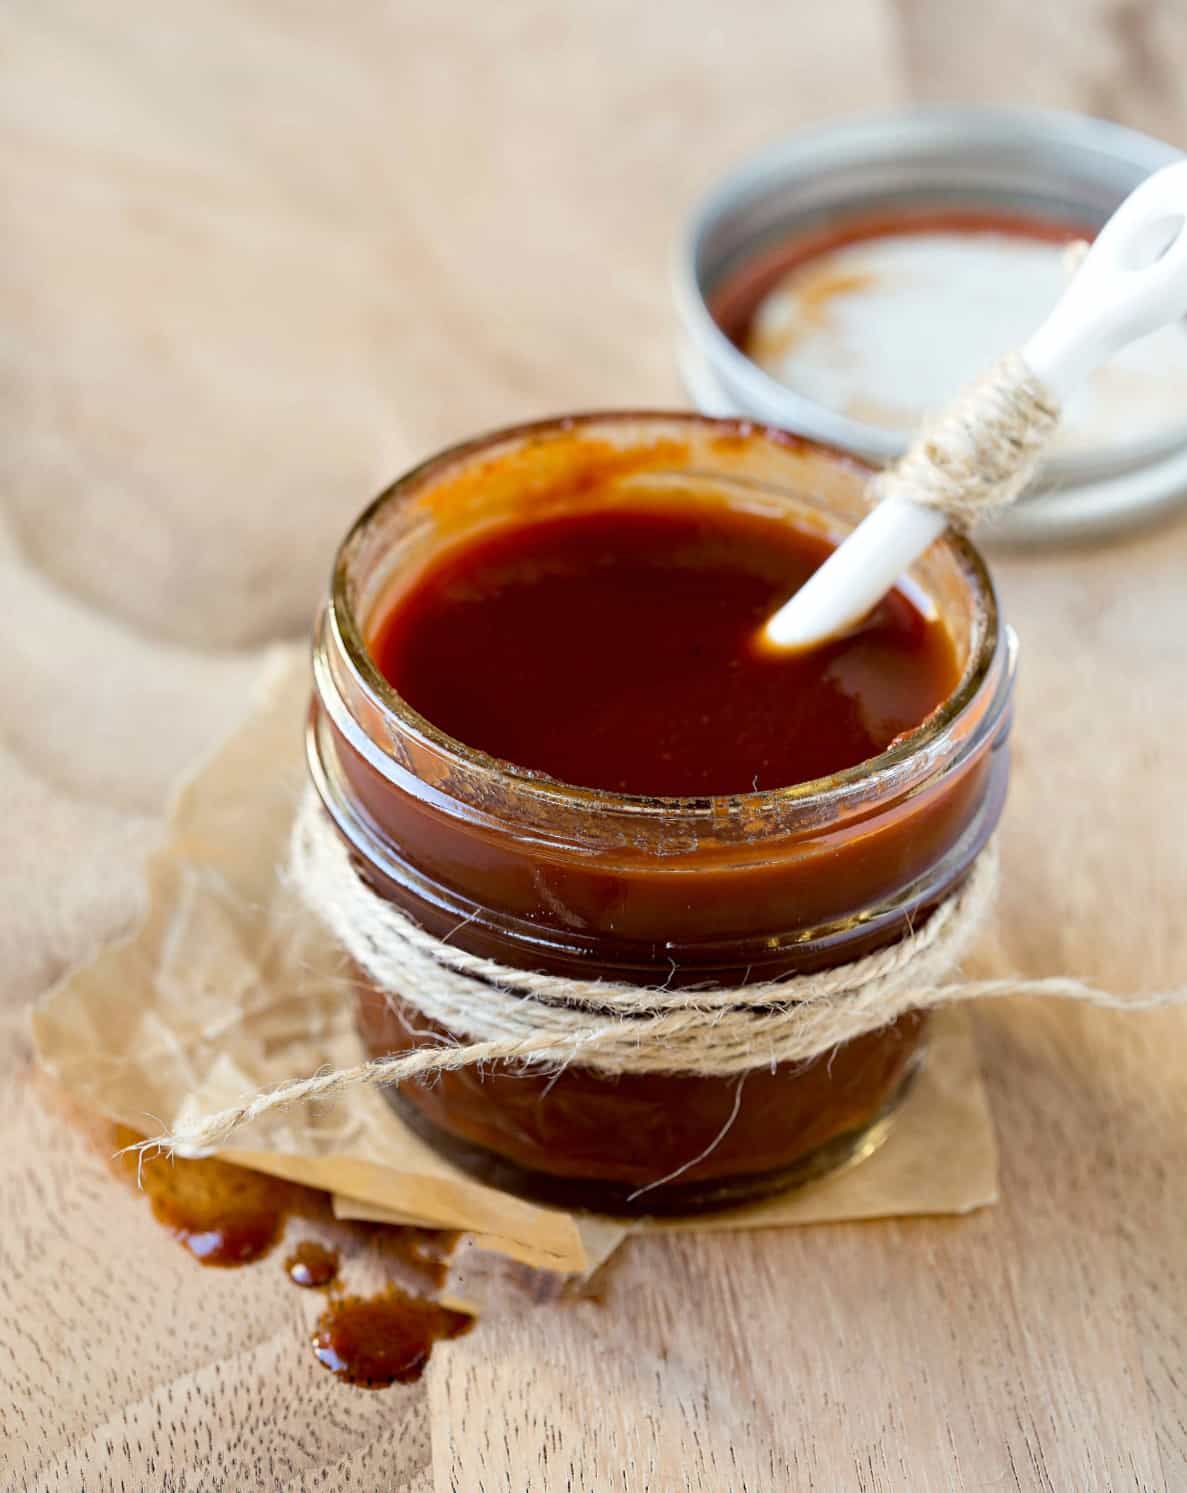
column 923, row 743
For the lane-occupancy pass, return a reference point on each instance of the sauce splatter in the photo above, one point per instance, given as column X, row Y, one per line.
column 374, row 1341
column 224, row 1215
column 228, row 1215
column 312, row 1264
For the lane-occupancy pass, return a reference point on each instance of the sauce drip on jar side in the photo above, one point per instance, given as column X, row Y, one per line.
column 619, row 649
column 386, row 1339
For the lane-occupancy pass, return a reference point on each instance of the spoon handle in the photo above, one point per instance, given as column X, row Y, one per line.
column 1132, row 281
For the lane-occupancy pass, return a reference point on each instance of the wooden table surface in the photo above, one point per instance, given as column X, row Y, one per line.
column 257, row 259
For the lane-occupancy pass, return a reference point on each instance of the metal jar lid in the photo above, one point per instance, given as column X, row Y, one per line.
column 1040, row 163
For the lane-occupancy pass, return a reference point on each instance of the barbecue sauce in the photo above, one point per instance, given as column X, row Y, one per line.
column 620, row 649
column 227, row 1215
column 375, row 1341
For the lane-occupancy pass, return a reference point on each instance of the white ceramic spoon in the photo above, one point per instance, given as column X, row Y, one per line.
column 1132, row 281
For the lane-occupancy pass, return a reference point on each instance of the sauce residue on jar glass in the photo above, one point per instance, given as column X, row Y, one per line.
column 312, row 1264
column 619, row 648
column 375, row 1341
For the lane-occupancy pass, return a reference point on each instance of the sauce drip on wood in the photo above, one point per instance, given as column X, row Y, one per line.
column 312, row 1264
column 223, row 1214
column 619, row 649
column 386, row 1339
column 228, row 1215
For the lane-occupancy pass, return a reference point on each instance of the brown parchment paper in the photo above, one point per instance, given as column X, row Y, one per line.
column 230, row 985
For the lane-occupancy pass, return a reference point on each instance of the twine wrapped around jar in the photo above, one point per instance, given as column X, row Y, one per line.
column 507, row 1015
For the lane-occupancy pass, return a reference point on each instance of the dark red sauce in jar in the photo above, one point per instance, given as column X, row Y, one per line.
column 621, row 649
column 545, row 728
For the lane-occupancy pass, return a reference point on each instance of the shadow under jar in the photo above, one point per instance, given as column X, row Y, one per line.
column 543, row 875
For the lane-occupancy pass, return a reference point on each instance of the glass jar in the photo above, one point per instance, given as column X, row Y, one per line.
column 540, row 874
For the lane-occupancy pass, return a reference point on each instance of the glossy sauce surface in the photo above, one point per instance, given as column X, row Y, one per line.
column 619, row 649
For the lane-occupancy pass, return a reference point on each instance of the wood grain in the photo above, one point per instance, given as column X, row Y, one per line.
column 1036, row 1346
column 260, row 256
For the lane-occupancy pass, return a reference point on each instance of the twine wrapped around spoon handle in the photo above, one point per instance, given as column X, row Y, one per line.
column 965, row 464
column 977, row 456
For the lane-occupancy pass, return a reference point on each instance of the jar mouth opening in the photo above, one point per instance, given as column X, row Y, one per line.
column 923, row 743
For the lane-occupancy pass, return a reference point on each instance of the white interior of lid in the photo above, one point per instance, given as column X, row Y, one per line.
column 885, row 329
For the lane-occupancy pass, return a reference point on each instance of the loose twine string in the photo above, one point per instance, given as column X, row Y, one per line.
column 972, row 460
